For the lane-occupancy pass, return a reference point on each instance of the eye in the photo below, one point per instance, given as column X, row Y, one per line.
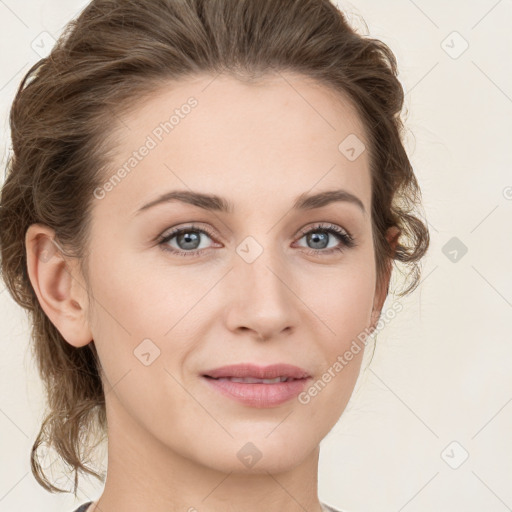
column 319, row 237
column 189, row 239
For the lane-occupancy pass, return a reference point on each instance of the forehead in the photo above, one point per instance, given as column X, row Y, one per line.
column 238, row 140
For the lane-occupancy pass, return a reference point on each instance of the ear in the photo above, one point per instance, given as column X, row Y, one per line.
column 382, row 287
column 58, row 285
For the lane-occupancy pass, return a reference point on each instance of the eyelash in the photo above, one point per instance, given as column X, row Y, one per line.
column 343, row 236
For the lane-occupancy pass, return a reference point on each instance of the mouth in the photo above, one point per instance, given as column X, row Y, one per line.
column 257, row 386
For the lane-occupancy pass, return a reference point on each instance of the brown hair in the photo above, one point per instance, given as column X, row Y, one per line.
column 116, row 51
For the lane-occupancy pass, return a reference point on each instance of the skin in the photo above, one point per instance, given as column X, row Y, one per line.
column 173, row 441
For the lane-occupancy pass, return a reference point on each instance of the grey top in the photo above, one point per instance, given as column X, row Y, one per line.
column 84, row 507
column 329, row 509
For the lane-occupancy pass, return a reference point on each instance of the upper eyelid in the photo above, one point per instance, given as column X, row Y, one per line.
column 301, row 232
column 322, row 225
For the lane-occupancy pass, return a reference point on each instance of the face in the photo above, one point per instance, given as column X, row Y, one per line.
column 263, row 281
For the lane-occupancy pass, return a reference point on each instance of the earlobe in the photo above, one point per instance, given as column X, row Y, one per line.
column 56, row 284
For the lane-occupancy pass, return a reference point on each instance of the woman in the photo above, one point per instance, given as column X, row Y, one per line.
column 201, row 215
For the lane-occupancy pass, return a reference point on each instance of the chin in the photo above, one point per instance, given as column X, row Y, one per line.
column 258, row 453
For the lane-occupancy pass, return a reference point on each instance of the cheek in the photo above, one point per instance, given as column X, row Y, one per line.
column 139, row 309
column 134, row 298
column 343, row 305
column 342, row 297
column 122, row 314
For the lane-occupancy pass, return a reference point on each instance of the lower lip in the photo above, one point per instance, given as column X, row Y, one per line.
column 259, row 395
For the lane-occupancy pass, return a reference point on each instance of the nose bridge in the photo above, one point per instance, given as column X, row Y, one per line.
column 264, row 301
column 265, row 276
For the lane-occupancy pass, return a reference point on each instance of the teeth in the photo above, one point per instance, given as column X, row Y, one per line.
column 251, row 380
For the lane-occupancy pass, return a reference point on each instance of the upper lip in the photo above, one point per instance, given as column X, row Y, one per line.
column 258, row 372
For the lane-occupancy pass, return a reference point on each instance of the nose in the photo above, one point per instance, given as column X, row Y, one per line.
column 261, row 298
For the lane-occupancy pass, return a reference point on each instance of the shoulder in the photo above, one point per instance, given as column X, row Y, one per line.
column 84, row 507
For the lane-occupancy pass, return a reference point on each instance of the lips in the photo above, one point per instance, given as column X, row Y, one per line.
column 248, row 371
column 258, row 386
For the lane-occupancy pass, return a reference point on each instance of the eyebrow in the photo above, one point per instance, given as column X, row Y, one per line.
column 216, row 203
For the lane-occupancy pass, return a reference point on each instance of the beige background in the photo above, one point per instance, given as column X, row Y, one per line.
column 440, row 384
